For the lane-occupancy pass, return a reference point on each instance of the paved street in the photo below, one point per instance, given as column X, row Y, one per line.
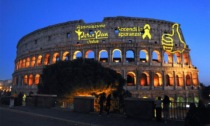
column 31, row 116
column 12, row 117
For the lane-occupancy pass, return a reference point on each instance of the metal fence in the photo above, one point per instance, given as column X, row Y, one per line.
column 178, row 110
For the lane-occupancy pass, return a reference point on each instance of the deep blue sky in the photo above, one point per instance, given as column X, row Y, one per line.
column 20, row 17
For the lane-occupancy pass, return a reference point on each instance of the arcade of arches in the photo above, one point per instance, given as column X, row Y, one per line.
column 116, row 56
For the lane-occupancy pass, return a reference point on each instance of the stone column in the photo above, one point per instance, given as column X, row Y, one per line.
column 137, row 79
column 182, row 59
column 110, row 56
column 197, row 79
column 51, row 58
column 123, row 51
column 151, row 80
column 150, row 56
column 175, row 84
column 136, row 56
column 96, row 55
column 162, row 57
column 83, row 53
column 163, row 79
column 71, row 53
column 19, row 80
column 125, row 77
column 139, row 76
column 172, row 58
column 184, row 80
column 191, row 80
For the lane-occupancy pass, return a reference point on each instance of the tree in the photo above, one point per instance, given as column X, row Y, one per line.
column 66, row 77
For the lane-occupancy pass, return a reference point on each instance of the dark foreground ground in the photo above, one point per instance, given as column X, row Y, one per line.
column 32, row 116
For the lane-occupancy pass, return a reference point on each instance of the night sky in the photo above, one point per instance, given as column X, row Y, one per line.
column 20, row 17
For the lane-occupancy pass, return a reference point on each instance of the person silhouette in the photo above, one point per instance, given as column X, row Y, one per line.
column 102, row 99
column 108, row 103
column 166, row 103
column 158, row 109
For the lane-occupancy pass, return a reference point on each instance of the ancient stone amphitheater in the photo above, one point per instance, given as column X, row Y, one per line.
column 152, row 55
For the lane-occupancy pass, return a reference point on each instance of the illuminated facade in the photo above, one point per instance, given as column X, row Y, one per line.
column 150, row 54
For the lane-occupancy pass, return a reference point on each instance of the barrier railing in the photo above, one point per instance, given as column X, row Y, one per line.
column 178, row 110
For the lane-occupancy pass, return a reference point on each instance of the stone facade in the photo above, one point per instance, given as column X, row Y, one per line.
column 150, row 54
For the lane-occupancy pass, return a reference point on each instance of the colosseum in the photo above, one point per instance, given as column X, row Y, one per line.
column 150, row 54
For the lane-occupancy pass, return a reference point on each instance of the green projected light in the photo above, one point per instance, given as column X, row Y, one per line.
column 168, row 41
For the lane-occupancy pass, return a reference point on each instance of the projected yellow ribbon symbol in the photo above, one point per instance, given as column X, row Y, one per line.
column 146, row 31
column 168, row 42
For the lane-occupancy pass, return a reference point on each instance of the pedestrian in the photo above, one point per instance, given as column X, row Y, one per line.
column 108, row 103
column 20, row 99
column 158, row 109
column 203, row 114
column 102, row 99
column 166, row 103
column 190, row 118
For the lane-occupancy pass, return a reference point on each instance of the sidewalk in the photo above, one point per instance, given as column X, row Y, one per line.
column 90, row 119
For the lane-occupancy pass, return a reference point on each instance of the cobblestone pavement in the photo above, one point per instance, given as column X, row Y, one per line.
column 88, row 119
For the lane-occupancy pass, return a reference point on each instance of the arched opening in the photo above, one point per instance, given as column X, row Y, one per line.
column 167, row 58
column 103, row 56
column 131, row 79
column 186, row 59
column 39, row 60
column 77, row 54
column 47, row 59
column 177, row 58
column 90, row 55
column 56, row 57
column 130, row 56
column 190, row 99
column 37, row 78
column 31, row 79
column 144, row 57
column 195, row 79
column 24, row 63
column 156, row 56
column 20, row 64
column 17, row 66
column 179, row 80
column 28, row 62
column 180, row 99
column 66, row 56
column 144, row 80
column 157, row 80
column 116, row 55
column 33, row 61
column 25, row 79
column 188, row 82
column 169, row 80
